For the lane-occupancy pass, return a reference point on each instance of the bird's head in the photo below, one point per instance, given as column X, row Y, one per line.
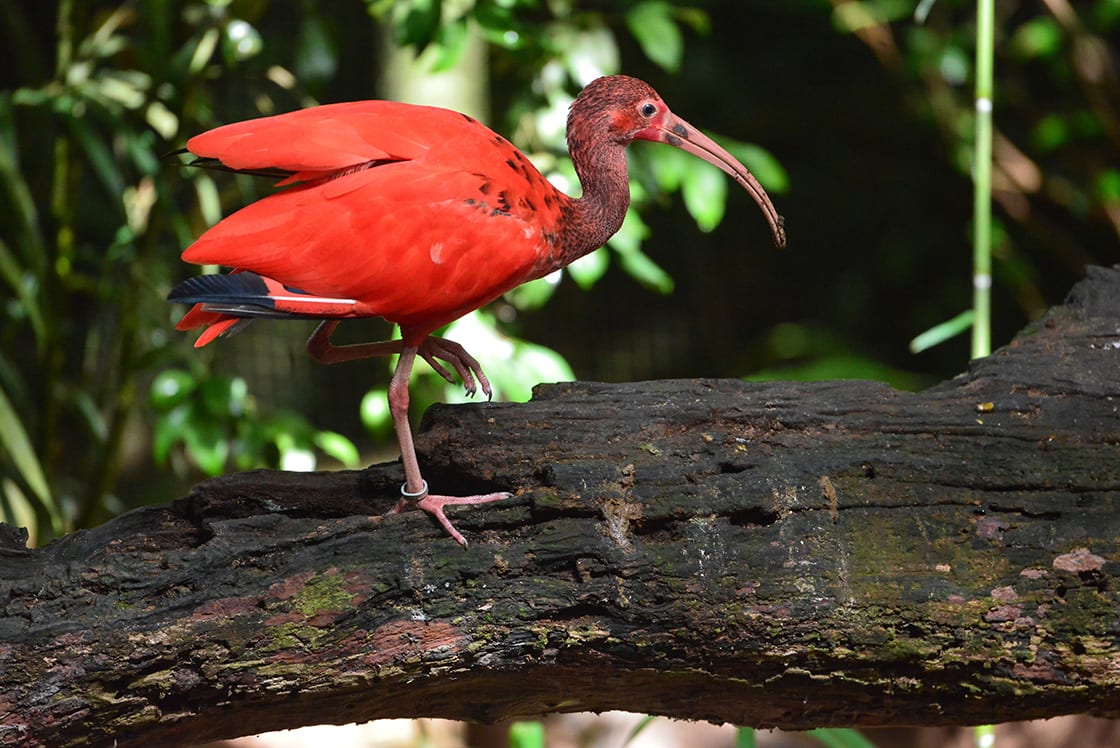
column 621, row 109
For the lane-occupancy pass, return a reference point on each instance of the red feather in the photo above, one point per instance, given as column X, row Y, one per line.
column 391, row 210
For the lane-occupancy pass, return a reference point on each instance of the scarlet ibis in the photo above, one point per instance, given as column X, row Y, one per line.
column 418, row 215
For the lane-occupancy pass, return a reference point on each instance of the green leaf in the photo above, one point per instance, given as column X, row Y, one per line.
column 645, row 722
column 647, row 272
column 531, row 364
column 242, row 41
column 515, row 366
column 587, row 270
column 453, row 38
column 206, row 441
column 15, row 442
column 766, row 169
column 141, row 148
column 163, row 121
column 420, row 23
column 1108, row 185
column 374, row 411
column 629, row 238
column 379, row 9
column 526, row 735
column 984, row 736
column 745, row 737
column 102, row 161
column 286, row 428
column 830, row 366
column 1106, row 14
column 1039, row 37
column 25, row 232
column 922, row 11
column 316, row 53
column 669, row 166
column 296, row 457
column 695, row 18
column 840, row 737
column 20, row 511
column 939, row 333
column 657, row 33
column 954, row 64
column 204, row 50
column 337, row 446
column 627, row 243
column 95, row 420
column 224, row 396
column 169, row 432
column 857, row 16
column 502, row 25
column 705, row 194
column 588, row 53
column 532, row 295
column 171, row 387
column 130, row 91
column 209, row 203
column 1051, row 132
column 24, row 287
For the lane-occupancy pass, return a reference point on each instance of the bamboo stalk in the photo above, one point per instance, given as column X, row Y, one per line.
column 982, row 182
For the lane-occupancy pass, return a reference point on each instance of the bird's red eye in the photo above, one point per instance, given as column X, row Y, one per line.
column 648, row 109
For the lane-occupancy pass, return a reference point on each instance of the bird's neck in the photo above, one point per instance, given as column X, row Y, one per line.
column 597, row 215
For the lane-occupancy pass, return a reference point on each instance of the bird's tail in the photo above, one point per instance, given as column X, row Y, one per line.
column 216, row 325
column 224, row 304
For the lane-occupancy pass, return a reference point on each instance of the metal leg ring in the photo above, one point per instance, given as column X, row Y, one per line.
column 414, row 496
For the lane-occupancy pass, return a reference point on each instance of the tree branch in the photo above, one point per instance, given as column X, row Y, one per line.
column 793, row 555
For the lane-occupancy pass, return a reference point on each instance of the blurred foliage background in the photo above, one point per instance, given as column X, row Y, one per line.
column 856, row 115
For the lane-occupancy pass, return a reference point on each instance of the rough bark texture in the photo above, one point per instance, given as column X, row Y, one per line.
column 795, row 555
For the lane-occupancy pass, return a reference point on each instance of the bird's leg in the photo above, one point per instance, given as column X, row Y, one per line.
column 414, row 484
column 415, row 488
column 414, row 492
column 320, row 348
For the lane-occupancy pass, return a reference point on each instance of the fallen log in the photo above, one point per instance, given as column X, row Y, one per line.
column 778, row 554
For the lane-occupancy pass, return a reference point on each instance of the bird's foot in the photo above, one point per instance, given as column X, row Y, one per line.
column 465, row 365
column 434, row 504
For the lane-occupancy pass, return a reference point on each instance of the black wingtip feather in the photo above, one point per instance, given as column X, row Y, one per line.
column 246, row 294
column 213, row 164
column 236, row 294
column 234, row 288
column 170, row 154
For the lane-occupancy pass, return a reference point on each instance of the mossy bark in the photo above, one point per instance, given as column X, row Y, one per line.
column 794, row 555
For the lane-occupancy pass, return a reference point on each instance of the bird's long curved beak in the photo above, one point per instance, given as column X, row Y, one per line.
column 676, row 132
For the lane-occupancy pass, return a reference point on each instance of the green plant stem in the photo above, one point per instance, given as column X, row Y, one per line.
column 120, row 404
column 56, row 251
column 982, row 180
column 120, row 396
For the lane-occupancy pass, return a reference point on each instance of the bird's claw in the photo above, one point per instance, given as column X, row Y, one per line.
column 434, row 506
column 465, row 365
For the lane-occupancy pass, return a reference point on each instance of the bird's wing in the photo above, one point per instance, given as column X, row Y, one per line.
column 323, row 140
column 416, row 243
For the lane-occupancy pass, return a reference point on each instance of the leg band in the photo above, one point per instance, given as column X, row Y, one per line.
column 414, row 496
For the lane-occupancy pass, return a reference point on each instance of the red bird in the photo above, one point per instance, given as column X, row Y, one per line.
column 418, row 215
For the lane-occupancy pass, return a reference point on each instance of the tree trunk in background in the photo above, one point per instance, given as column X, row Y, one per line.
column 794, row 555
column 410, row 78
